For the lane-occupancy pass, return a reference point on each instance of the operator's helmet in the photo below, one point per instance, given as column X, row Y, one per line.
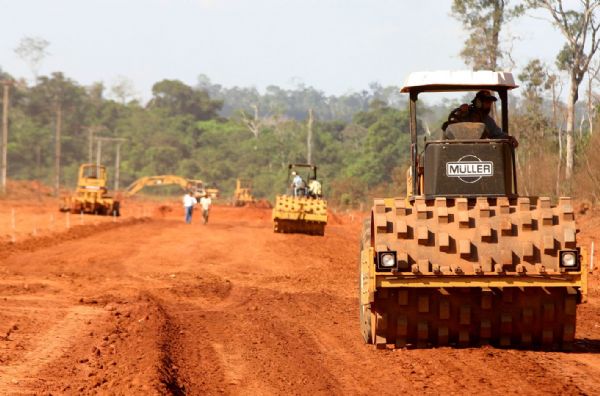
column 485, row 94
column 293, row 173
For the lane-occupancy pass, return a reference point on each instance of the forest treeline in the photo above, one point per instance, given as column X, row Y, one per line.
column 181, row 130
column 359, row 140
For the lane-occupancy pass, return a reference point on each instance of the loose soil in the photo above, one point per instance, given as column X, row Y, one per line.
column 146, row 304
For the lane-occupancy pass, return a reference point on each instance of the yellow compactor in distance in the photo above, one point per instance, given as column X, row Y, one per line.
column 302, row 209
column 91, row 195
column 463, row 259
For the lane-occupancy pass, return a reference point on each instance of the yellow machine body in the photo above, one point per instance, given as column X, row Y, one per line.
column 243, row 192
column 471, row 272
column 91, row 195
column 300, row 215
column 302, row 209
column 463, row 259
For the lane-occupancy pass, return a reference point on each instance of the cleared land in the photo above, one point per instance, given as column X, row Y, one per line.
column 150, row 304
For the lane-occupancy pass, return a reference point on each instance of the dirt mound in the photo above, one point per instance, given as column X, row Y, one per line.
column 27, row 189
column 244, row 213
column 76, row 232
column 163, row 210
column 263, row 204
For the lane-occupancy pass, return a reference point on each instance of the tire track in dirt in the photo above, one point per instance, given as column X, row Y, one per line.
column 244, row 349
column 126, row 349
column 18, row 377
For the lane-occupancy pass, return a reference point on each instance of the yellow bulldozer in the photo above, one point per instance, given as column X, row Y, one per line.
column 196, row 187
column 91, row 195
column 463, row 259
column 302, row 209
column 242, row 195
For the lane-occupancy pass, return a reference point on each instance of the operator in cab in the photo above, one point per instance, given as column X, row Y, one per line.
column 479, row 111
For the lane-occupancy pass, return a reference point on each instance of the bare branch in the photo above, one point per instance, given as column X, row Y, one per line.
column 253, row 124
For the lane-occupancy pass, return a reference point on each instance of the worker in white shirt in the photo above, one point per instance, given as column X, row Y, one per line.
column 188, row 204
column 298, row 185
column 205, row 203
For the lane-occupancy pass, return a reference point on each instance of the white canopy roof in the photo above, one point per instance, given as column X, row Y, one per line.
column 463, row 78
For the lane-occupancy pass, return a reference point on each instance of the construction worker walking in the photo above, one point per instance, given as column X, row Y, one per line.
column 188, row 204
column 205, row 203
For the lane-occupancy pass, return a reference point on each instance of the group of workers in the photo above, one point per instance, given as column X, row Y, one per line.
column 301, row 189
column 189, row 201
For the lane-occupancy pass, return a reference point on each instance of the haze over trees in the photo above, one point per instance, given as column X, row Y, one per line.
column 359, row 140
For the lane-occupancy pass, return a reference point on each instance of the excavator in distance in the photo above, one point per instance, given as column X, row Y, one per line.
column 193, row 185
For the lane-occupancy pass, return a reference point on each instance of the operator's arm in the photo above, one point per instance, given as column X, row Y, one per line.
column 495, row 132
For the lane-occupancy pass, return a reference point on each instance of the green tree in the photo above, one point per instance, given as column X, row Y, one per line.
column 531, row 125
column 57, row 99
column 534, row 78
column 386, row 145
column 178, row 99
column 484, row 20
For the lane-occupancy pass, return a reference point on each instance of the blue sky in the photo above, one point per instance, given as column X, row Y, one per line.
column 334, row 45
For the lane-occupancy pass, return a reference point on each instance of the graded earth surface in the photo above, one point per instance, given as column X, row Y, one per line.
column 148, row 304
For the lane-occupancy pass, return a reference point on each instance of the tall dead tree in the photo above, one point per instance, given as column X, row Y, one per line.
column 4, row 157
column 580, row 30
column 92, row 130
column 57, row 146
column 118, row 142
column 252, row 123
column 554, row 84
column 591, row 98
column 33, row 51
column 309, row 136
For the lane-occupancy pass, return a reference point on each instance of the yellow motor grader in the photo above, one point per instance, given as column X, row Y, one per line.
column 91, row 195
column 302, row 209
column 242, row 195
column 464, row 259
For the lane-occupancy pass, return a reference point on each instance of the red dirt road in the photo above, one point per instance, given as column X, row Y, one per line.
column 161, row 307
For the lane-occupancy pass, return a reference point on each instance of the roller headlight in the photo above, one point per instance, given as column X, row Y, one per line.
column 387, row 261
column 569, row 260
